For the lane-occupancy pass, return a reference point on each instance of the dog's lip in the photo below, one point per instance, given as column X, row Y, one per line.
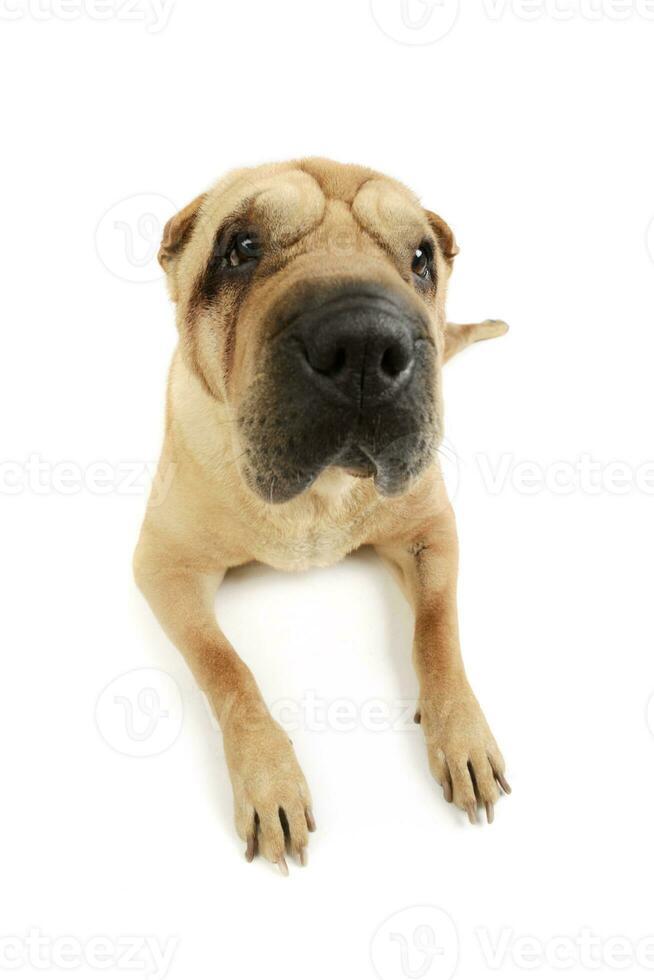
column 361, row 472
column 362, row 467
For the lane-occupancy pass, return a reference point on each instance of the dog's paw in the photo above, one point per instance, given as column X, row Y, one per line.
column 463, row 755
column 272, row 803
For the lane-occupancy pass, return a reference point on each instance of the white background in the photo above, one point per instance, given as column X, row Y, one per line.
column 533, row 137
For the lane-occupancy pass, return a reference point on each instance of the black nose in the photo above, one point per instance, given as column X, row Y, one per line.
column 360, row 347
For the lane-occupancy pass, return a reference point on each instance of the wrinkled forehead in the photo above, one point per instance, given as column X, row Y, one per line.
column 389, row 211
column 290, row 204
column 286, row 205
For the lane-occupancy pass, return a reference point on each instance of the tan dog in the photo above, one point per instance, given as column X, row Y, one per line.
column 303, row 418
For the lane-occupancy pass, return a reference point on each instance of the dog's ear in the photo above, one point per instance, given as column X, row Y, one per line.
column 445, row 236
column 176, row 233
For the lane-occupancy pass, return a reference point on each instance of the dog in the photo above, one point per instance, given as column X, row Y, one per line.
column 303, row 417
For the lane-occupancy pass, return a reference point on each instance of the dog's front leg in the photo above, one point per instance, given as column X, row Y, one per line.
column 272, row 805
column 463, row 754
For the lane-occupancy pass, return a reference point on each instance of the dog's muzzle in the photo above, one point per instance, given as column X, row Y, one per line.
column 349, row 382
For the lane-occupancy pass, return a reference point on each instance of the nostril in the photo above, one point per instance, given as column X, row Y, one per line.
column 394, row 360
column 330, row 361
column 338, row 362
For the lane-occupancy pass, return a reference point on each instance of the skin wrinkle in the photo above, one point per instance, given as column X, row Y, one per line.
column 323, row 184
column 230, row 338
column 191, row 344
column 237, row 409
column 379, row 240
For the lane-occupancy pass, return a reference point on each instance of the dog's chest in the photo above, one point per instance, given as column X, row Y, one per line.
column 301, row 548
column 295, row 546
column 317, row 529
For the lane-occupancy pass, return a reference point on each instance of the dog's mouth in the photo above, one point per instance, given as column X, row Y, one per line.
column 278, row 475
column 356, row 462
column 361, row 472
column 394, row 467
column 285, row 450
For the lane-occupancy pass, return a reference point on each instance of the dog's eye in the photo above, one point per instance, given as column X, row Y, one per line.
column 422, row 260
column 243, row 248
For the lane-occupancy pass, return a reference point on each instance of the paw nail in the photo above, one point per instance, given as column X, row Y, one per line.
column 311, row 823
column 490, row 812
column 503, row 783
column 472, row 813
column 283, row 867
column 249, row 851
column 303, row 857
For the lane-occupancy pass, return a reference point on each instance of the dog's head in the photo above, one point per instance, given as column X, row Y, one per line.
column 311, row 300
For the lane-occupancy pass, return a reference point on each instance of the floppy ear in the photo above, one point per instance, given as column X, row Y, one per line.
column 177, row 231
column 445, row 236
